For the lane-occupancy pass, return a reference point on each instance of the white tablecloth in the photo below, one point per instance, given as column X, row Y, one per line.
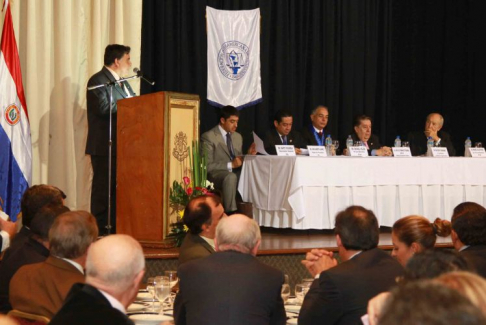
column 307, row 192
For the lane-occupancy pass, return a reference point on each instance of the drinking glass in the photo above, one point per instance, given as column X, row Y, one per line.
column 405, row 144
column 301, row 291
column 285, row 292
column 151, row 289
column 172, row 275
column 286, row 279
column 162, row 289
column 335, row 143
column 357, row 143
column 478, row 145
column 308, row 282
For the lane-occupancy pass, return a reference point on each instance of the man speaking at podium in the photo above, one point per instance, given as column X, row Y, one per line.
column 117, row 64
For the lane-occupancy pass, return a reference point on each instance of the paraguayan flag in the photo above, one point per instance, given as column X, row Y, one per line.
column 234, row 57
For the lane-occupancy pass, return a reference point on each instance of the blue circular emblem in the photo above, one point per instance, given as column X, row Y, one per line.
column 233, row 59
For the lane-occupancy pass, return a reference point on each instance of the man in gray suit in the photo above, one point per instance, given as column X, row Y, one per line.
column 224, row 148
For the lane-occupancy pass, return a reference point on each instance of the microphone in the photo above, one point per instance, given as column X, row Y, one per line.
column 140, row 75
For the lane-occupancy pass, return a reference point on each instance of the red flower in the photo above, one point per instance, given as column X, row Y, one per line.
column 189, row 191
column 204, row 191
column 198, row 188
column 186, row 179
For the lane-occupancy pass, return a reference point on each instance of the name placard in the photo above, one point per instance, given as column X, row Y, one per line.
column 358, row 151
column 477, row 152
column 317, row 151
column 439, row 152
column 401, row 152
column 285, row 150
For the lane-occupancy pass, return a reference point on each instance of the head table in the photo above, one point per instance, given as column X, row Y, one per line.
column 307, row 192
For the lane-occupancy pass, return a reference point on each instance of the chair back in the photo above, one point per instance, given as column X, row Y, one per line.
column 24, row 318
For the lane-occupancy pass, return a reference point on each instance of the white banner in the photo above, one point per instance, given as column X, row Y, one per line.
column 234, row 57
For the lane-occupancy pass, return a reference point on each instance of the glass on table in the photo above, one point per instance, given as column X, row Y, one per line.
column 162, row 289
column 405, row 144
column 308, row 282
column 300, row 292
column 151, row 289
column 478, row 145
column 286, row 279
column 358, row 143
column 285, row 292
column 172, row 275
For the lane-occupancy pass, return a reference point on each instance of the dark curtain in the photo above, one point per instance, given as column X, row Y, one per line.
column 395, row 60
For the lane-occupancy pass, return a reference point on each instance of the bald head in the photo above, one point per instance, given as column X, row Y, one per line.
column 114, row 262
column 434, row 121
column 238, row 233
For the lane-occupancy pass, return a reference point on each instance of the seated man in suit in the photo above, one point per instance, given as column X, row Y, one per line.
column 314, row 134
column 224, row 149
column 114, row 269
column 340, row 293
column 34, row 250
column 469, row 234
column 433, row 128
column 201, row 216
column 282, row 134
column 362, row 132
column 42, row 287
column 231, row 286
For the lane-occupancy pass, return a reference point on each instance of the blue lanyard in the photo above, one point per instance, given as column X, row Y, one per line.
column 320, row 142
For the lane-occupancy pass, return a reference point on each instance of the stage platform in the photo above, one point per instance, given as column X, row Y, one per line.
column 280, row 248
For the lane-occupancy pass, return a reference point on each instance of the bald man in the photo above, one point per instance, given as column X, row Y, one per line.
column 433, row 129
column 231, row 286
column 114, row 268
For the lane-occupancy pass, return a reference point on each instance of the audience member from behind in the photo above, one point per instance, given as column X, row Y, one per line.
column 282, row 134
column 340, row 293
column 431, row 303
column 428, row 264
column 433, row 129
column 471, row 285
column 114, row 269
column 414, row 234
column 42, row 287
column 231, row 286
column 201, row 216
column 34, row 250
column 469, row 234
column 8, row 229
column 33, row 200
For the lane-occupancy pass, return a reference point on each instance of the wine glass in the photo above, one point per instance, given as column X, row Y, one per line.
column 286, row 279
column 162, row 289
column 308, row 282
column 335, row 143
column 285, row 292
column 300, row 292
column 478, row 145
column 357, row 143
column 173, row 279
column 151, row 289
column 405, row 144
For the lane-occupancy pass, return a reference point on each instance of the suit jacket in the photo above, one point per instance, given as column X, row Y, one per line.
column 229, row 288
column 272, row 138
column 341, row 294
column 308, row 137
column 217, row 150
column 42, row 287
column 15, row 257
column 418, row 143
column 373, row 142
column 98, row 101
column 86, row 305
column 194, row 247
column 476, row 257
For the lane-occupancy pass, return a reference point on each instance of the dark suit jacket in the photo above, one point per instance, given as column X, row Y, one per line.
column 373, row 142
column 341, row 294
column 229, row 288
column 42, row 287
column 308, row 137
column 476, row 258
column 194, row 247
column 15, row 257
column 272, row 138
column 86, row 305
column 418, row 143
column 98, row 101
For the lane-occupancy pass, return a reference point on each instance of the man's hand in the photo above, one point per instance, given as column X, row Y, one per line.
column 431, row 133
column 237, row 162
column 319, row 260
column 9, row 227
column 298, row 151
column 384, row 151
column 252, row 149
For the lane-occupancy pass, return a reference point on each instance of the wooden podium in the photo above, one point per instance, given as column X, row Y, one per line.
column 153, row 132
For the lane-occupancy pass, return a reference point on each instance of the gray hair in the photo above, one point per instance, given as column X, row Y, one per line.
column 238, row 233
column 441, row 117
column 114, row 261
column 317, row 107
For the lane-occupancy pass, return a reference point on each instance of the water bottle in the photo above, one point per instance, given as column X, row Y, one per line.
column 467, row 145
column 349, row 143
column 430, row 144
column 328, row 145
column 398, row 142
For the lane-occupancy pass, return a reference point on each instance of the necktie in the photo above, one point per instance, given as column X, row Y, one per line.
column 229, row 143
column 366, row 145
column 319, row 134
column 284, row 140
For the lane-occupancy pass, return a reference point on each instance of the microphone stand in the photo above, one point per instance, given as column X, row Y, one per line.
column 110, row 85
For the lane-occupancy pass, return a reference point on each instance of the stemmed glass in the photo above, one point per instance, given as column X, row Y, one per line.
column 151, row 289
column 162, row 289
column 335, row 144
column 173, row 279
column 300, row 292
column 285, row 292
